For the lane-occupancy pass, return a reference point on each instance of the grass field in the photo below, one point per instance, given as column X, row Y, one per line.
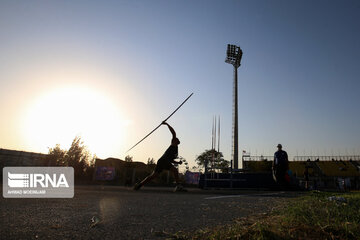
column 317, row 215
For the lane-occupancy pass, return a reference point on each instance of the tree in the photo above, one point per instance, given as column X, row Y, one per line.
column 77, row 157
column 197, row 168
column 213, row 159
column 186, row 164
column 56, row 156
column 128, row 158
column 150, row 161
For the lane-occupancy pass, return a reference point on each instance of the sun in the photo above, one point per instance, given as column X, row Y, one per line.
column 61, row 114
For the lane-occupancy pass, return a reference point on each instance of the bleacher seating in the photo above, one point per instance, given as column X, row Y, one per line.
column 298, row 168
column 335, row 168
column 338, row 168
column 258, row 166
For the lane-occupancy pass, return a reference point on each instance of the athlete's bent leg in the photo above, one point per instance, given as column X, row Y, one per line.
column 149, row 178
column 176, row 174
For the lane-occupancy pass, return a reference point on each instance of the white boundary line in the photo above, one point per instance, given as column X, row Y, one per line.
column 244, row 195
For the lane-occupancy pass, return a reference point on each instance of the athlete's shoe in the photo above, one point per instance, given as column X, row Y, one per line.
column 180, row 188
column 137, row 186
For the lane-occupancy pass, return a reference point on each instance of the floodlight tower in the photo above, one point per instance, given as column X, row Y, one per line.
column 233, row 57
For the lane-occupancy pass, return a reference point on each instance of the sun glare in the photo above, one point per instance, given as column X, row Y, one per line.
column 60, row 115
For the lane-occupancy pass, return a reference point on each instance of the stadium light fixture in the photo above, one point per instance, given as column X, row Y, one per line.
column 233, row 57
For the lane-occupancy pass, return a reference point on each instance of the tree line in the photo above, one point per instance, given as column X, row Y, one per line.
column 77, row 156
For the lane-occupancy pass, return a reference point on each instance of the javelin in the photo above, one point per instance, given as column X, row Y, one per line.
column 161, row 122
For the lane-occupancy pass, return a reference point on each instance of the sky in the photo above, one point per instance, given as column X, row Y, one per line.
column 111, row 71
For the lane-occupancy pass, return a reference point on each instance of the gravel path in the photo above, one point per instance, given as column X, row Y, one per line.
column 125, row 214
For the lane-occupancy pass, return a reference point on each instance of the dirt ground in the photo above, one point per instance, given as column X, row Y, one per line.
column 125, row 214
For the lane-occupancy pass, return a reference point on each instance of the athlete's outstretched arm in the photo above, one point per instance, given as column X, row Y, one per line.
column 171, row 129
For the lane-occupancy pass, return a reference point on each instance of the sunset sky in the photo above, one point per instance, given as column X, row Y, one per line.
column 111, row 71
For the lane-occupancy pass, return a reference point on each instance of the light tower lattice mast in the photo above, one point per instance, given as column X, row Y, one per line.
column 233, row 57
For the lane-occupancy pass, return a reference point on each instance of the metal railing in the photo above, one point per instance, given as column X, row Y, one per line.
column 305, row 158
column 327, row 158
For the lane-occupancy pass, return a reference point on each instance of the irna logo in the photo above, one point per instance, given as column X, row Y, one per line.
column 16, row 180
column 38, row 182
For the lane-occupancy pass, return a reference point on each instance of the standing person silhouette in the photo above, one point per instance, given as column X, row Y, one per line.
column 280, row 165
column 166, row 163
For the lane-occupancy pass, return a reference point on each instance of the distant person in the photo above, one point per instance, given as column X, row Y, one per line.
column 280, row 165
column 166, row 163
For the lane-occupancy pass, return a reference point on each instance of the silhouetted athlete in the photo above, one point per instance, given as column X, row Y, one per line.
column 166, row 163
column 280, row 165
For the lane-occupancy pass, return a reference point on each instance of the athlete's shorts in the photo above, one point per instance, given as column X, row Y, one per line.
column 163, row 164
